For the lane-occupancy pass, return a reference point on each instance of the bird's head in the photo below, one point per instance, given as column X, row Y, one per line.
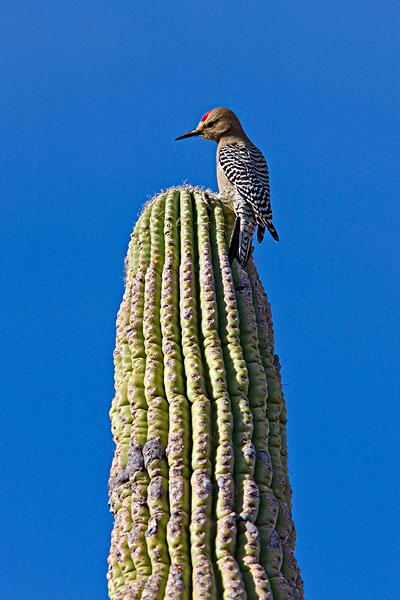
column 215, row 124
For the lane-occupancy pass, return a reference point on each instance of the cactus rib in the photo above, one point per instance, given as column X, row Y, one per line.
column 179, row 580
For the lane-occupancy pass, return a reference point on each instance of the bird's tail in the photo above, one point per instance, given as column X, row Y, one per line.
column 260, row 232
column 273, row 231
column 234, row 242
column 240, row 243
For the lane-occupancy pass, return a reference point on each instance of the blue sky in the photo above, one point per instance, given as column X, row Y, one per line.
column 93, row 95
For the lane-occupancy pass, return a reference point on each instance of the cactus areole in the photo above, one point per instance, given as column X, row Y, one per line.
column 199, row 484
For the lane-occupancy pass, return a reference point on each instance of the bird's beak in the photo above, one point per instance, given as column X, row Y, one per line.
column 189, row 134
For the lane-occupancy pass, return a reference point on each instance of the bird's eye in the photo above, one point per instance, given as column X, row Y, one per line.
column 211, row 123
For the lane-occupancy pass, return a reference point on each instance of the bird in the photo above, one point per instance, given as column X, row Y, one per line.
column 243, row 179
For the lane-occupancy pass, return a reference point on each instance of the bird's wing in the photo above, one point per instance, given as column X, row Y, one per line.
column 246, row 168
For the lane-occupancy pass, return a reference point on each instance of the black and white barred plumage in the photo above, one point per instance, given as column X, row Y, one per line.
column 246, row 169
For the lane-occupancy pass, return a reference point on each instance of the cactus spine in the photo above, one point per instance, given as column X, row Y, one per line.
column 199, row 483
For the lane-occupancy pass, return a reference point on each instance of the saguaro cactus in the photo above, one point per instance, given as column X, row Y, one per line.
column 199, row 482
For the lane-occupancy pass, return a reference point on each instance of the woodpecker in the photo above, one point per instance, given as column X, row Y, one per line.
column 243, row 180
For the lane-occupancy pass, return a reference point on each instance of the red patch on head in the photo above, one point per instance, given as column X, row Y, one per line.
column 204, row 117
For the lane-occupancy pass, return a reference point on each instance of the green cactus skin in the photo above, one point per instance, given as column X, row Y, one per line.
column 199, row 483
